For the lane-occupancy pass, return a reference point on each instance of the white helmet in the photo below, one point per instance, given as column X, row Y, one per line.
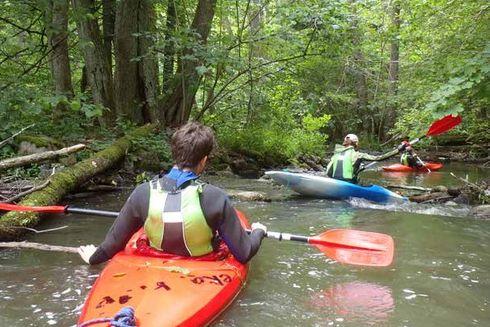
column 352, row 137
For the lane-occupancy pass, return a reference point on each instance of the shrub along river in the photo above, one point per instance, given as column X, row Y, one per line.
column 440, row 276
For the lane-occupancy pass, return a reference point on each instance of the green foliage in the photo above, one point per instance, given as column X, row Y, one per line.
column 468, row 80
column 273, row 145
column 31, row 171
column 312, row 124
column 277, row 78
column 154, row 144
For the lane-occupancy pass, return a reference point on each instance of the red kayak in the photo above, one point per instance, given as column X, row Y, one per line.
column 164, row 289
column 402, row 168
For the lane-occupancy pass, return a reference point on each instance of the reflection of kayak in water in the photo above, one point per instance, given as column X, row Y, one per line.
column 325, row 187
column 368, row 302
column 402, row 168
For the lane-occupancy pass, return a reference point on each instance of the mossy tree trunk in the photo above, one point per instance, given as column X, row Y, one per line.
column 66, row 181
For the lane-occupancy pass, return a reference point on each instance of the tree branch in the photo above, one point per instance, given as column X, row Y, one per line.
column 24, row 29
column 39, row 246
column 22, row 194
column 38, row 157
column 14, row 135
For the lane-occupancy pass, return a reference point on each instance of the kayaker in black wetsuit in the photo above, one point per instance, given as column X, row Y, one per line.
column 346, row 163
column 180, row 214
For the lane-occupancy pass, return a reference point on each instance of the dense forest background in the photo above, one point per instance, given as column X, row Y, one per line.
column 275, row 79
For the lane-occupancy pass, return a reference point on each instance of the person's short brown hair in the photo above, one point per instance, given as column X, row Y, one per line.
column 190, row 143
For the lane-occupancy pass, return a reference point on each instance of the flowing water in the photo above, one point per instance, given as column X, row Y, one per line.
column 440, row 276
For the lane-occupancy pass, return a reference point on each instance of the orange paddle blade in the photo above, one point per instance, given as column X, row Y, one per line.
column 444, row 124
column 15, row 207
column 356, row 247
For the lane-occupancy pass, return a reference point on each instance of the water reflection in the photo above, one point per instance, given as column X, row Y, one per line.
column 356, row 301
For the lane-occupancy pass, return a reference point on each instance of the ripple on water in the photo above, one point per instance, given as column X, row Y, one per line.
column 419, row 208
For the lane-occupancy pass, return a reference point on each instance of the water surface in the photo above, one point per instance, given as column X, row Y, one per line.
column 440, row 277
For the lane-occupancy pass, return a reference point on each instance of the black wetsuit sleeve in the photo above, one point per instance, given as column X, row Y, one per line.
column 130, row 219
column 221, row 216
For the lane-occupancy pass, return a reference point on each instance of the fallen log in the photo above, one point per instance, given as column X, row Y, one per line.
column 38, row 246
column 65, row 181
column 38, row 157
column 428, row 197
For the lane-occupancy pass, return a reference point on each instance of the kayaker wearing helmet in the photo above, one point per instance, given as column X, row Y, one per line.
column 346, row 163
column 409, row 157
column 180, row 214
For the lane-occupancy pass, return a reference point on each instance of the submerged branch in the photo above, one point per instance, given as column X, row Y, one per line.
column 38, row 246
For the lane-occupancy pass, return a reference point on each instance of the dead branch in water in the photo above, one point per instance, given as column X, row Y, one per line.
column 37, row 231
column 38, row 246
column 470, row 184
column 409, row 187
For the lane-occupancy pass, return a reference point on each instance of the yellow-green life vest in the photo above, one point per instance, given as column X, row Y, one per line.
column 404, row 159
column 341, row 165
column 176, row 222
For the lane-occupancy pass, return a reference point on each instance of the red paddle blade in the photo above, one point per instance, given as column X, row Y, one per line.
column 356, row 247
column 15, row 207
column 444, row 124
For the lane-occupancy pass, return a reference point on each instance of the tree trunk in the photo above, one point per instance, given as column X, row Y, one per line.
column 66, row 181
column 136, row 74
column 357, row 72
column 253, row 52
column 108, row 21
column 394, row 65
column 57, row 32
column 148, row 67
column 99, row 74
column 169, row 49
column 176, row 106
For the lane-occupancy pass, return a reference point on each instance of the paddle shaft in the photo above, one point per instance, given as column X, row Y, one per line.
column 314, row 240
column 417, row 140
column 102, row 213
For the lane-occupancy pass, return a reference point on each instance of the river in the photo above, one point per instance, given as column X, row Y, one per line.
column 440, row 276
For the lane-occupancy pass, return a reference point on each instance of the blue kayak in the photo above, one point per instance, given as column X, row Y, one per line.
column 325, row 187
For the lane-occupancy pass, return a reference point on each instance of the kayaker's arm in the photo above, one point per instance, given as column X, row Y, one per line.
column 368, row 157
column 130, row 219
column 221, row 216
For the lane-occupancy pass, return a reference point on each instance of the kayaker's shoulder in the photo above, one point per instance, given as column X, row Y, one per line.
column 140, row 194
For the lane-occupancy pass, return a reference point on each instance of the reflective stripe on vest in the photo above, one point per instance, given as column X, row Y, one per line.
column 176, row 222
column 341, row 165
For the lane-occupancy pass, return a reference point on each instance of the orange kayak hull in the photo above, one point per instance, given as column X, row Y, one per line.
column 179, row 291
column 402, row 168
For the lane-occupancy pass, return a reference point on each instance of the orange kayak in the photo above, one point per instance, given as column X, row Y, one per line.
column 164, row 289
column 402, row 168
